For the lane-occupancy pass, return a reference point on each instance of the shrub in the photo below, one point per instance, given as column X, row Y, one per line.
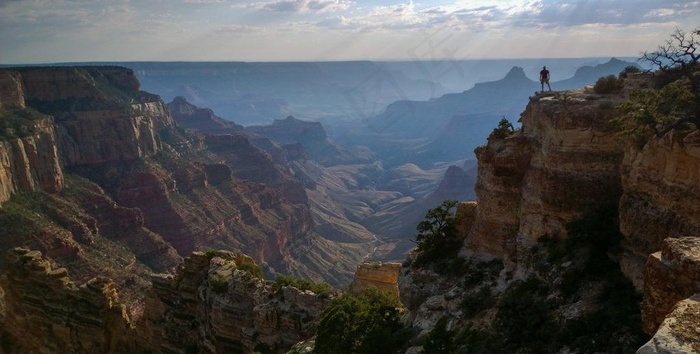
column 301, row 284
column 437, row 238
column 366, row 323
column 253, row 269
column 609, row 84
column 477, row 302
column 440, row 339
column 632, row 69
column 218, row 284
column 505, row 129
column 18, row 122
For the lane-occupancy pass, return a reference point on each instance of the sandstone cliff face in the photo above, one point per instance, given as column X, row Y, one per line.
column 660, row 182
column 671, row 275
column 678, row 334
column 377, row 275
column 213, row 306
column 47, row 313
column 31, row 163
column 564, row 161
column 11, row 90
column 92, row 124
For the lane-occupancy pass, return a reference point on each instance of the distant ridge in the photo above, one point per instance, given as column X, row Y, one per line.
column 454, row 124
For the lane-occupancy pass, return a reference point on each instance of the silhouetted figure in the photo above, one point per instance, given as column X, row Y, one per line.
column 544, row 78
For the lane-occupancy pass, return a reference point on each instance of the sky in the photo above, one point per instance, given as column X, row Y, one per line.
column 51, row 31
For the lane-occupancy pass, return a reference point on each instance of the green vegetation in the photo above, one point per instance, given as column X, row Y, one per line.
column 367, row 323
column 437, row 235
column 23, row 215
column 528, row 314
column 440, row 339
column 301, row 284
column 632, row 69
column 252, row 268
column 218, row 283
column 505, row 129
column 674, row 103
column 658, row 111
column 609, row 84
column 17, row 122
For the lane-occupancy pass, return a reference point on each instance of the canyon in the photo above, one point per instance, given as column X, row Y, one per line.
column 99, row 177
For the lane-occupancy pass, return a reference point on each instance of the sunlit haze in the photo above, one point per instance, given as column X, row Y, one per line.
column 41, row 31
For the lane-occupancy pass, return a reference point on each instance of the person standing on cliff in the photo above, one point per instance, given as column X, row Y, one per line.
column 544, row 78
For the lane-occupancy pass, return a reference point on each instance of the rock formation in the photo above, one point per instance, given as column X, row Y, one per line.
column 45, row 312
column 678, row 334
column 31, row 162
column 568, row 159
column 190, row 192
column 671, row 275
column 212, row 304
column 377, row 275
column 563, row 162
column 660, row 189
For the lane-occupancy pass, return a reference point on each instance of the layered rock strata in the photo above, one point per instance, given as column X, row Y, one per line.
column 377, row 275
column 660, row 182
column 212, row 305
column 564, row 161
column 31, row 162
column 45, row 312
column 671, row 275
column 678, row 334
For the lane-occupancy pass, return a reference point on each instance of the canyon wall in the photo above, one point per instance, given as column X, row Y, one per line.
column 376, row 275
column 210, row 305
column 660, row 182
column 563, row 162
column 568, row 159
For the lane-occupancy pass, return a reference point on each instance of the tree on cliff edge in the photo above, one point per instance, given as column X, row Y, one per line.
column 437, row 234
column 675, row 103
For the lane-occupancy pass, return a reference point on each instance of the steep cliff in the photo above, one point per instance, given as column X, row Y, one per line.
column 569, row 206
column 564, row 161
column 47, row 313
column 213, row 304
column 189, row 192
column 376, row 275
column 660, row 182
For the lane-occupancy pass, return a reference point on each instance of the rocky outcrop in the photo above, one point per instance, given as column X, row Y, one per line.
column 211, row 304
column 31, row 163
column 376, row 275
column 100, row 137
column 45, row 312
column 312, row 136
column 11, row 90
column 200, row 119
column 456, row 184
column 671, row 275
column 99, row 117
column 660, row 193
column 678, row 334
column 502, row 166
column 564, row 161
column 214, row 304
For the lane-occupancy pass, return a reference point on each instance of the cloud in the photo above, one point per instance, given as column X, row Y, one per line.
column 302, row 6
column 285, row 6
column 549, row 13
column 241, row 29
column 204, row 2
